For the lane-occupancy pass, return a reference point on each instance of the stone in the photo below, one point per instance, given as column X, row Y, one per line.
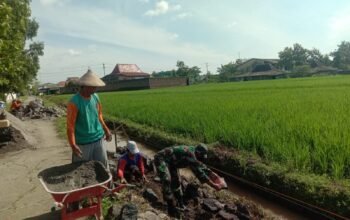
column 232, row 208
column 150, row 195
column 227, row 216
column 129, row 212
column 163, row 216
column 148, row 215
column 211, row 205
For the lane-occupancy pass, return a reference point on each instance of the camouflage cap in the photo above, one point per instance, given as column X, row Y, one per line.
column 202, row 149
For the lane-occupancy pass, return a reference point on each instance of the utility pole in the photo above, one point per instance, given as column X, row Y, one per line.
column 206, row 64
column 104, row 69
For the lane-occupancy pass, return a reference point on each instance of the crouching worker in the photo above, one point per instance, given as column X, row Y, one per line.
column 15, row 106
column 130, row 164
column 169, row 160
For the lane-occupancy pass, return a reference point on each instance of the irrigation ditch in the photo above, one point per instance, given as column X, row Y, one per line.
column 311, row 196
column 248, row 198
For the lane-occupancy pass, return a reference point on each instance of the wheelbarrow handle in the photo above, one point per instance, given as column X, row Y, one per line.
column 60, row 204
column 121, row 186
column 117, row 188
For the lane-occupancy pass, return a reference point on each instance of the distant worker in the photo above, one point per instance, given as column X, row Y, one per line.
column 15, row 105
column 169, row 160
column 85, row 125
column 131, row 163
column 2, row 110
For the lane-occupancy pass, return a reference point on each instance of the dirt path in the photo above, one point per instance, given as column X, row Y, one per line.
column 21, row 194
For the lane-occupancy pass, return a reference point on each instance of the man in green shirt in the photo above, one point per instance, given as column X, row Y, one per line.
column 85, row 125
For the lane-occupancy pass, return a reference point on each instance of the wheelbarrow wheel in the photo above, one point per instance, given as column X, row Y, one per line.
column 53, row 208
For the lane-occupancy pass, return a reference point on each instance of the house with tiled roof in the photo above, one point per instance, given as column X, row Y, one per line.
column 61, row 84
column 258, row 69
column 125, row 72
column 72, row 81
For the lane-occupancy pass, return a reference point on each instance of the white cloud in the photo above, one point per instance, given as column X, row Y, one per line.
column 138, row 39
column 48, row 2
column 54, row 2
column 161, row 7
column 232, row 24
column 183, row 15
column 254, row 32
column 92, row 47
column 340, row 25
column 174, row 36
column 337, row 29
column 175, row 7
column 73, row 52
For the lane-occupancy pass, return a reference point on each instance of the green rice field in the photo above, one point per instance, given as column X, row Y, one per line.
column 302, row 123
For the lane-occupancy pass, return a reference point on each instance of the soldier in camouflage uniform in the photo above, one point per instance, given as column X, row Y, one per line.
column 169, row 160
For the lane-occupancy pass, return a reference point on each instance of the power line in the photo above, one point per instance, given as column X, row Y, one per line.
column 62, row 70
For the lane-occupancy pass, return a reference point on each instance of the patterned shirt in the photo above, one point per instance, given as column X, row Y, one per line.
column 184, row 156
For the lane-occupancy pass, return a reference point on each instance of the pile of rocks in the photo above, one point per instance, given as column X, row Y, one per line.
column 201, row 202
column 36, row 110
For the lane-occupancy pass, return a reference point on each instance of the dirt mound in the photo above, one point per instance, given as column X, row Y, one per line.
column 12, row 139
column 22, row 129
column 73, row 176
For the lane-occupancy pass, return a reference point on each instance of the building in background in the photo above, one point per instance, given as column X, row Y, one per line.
column 125, row 72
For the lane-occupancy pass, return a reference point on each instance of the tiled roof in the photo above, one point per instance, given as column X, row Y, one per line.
column 61, row 84
column 72, row 78
column 129, row 70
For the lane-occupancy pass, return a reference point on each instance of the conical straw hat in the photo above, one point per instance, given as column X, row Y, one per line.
column 91, row 79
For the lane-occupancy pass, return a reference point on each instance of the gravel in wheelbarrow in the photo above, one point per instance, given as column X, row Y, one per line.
column 74, row 176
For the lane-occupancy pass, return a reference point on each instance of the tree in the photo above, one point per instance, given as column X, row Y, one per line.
column 19, row 65
column 315, row 58
column 341, row 57
column 227, row 71
column 163, row 74
column 191, row 72
column 300, row 55
column 182, row 69
column 293, row 56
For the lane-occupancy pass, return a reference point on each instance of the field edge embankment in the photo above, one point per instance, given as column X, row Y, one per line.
column 321, row 191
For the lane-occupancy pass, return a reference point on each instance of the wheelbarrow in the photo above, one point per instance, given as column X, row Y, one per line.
column 92, row 193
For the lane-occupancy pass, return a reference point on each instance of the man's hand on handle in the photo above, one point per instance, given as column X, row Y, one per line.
column 144, row 179
column 76, row 150
column 123, row 181
column 108, row 137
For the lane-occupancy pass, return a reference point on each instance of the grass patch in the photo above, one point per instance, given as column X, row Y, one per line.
column 60, row 124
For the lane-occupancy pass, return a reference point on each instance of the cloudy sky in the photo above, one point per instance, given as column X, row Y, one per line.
column 154, row 34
